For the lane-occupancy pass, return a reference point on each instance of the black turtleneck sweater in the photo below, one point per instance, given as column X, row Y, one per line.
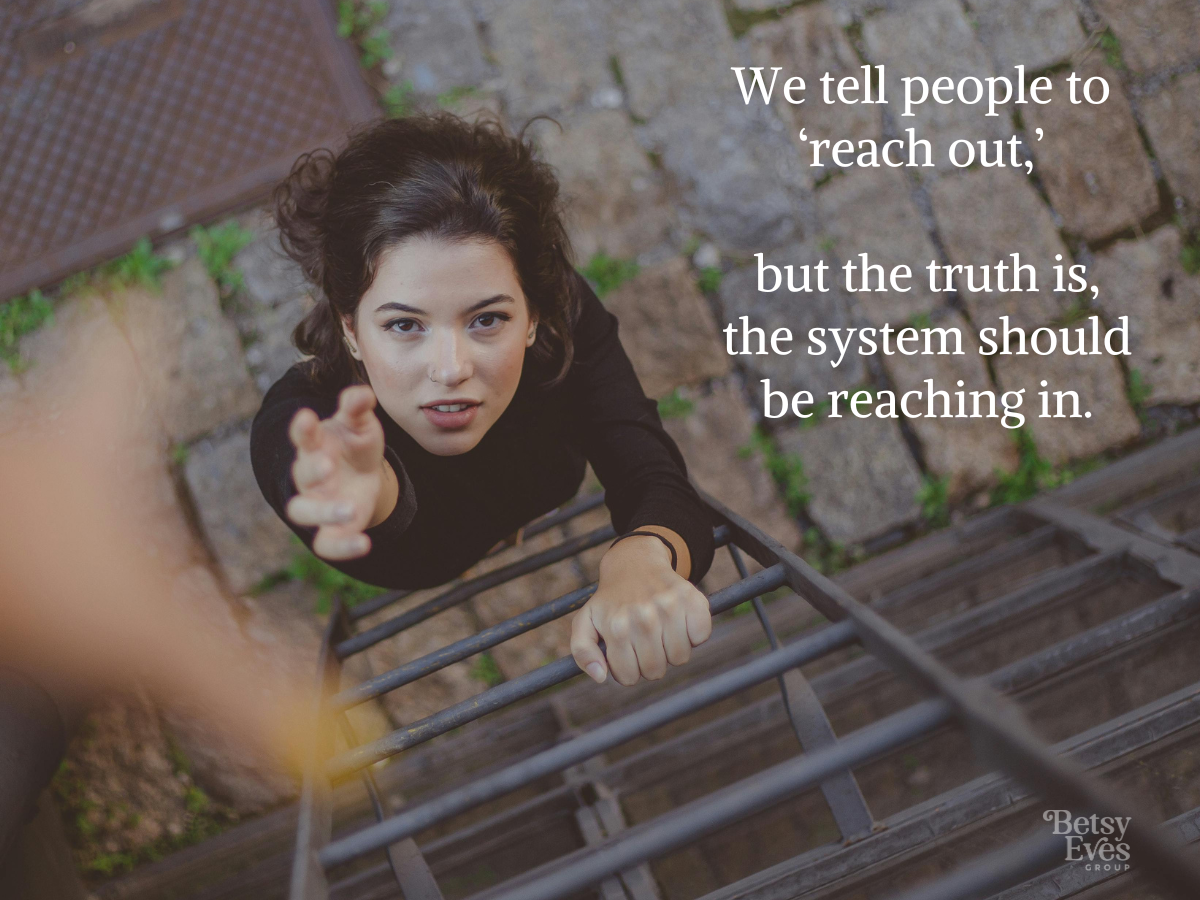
column 453, row 509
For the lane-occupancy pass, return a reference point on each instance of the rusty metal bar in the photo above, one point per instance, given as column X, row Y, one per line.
column 691, row 698
column 468, row 589
column 518, row 688
column 999, row 731
column 545, row 523
column 395, row 678
column 703, row 816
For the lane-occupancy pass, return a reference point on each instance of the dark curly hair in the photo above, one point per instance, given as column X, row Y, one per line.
column 435, row 175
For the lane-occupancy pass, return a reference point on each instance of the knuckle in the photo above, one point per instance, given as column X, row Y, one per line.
column 619, row 626
column 645, row 617
column 668, row 602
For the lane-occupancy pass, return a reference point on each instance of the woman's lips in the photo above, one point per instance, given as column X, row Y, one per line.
column 451, row 420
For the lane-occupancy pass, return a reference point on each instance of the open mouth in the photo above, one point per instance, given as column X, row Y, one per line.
column 451, row 414
column 450, row 407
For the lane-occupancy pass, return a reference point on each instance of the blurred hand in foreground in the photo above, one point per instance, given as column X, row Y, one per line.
column 83, row 606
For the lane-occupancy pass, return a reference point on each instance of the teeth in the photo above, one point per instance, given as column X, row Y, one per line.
column 451, row 407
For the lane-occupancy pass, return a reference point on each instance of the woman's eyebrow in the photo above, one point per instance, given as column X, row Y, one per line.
column 404, row 307
column 499, row 298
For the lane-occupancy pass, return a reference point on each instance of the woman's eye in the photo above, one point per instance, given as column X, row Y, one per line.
column 404, row 326
column 490, row 319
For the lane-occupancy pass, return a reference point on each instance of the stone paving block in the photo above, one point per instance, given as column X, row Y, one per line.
column 667, row 328
column 737, row 167
column 711, row 438
column 862, row 480
column 269, row 276
column 671, row 51
column 1144, row 280
column 932, row 38
column 986, row 215
column 1154, row 34
column 870, row 211
column 1091, row 159
column 189, row 350
column 808, row 42
column 798, row 370
column 740, row 176
column 616, row 201
column 273, row 353
column 1172, row 121
column 1101, row 387
column 967, row 451
column 1035, row 34
column 247, row 538
column 553, row 55
column 435, row 46
column 274, row 298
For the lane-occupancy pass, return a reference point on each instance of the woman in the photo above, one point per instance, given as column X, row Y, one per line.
column 462, row 374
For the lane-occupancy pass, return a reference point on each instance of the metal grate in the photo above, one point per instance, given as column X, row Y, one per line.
column 1059, row 547
column 123, row 119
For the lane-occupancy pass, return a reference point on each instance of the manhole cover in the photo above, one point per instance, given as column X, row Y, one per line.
column 120, row 118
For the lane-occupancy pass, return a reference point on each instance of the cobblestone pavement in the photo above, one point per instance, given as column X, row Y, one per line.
column 665, row 165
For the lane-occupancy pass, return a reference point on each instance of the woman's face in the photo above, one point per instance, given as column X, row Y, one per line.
column 442, row 332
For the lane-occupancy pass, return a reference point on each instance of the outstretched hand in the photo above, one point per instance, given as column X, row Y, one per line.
column 646, row 613
column 345, row 485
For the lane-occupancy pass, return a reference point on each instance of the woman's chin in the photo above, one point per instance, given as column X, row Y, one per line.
column 450, row 443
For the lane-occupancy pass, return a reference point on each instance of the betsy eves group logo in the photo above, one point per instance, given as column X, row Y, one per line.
column 1096, row 841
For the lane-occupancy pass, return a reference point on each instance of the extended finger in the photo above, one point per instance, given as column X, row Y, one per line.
column 305, row 430
column 311, row 469
column 311, row 511
column 618, row 640
column 585, row 646
column 334, row 542
column 648, row 642
column 355, row 407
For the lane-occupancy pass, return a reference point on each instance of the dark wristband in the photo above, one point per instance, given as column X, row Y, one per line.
column 670, row 546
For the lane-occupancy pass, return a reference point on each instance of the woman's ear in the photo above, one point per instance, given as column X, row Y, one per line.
column 348, row 337
column 531, row 335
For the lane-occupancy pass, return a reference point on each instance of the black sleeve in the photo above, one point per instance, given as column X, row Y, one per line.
column 272, row 455
column 643, row 472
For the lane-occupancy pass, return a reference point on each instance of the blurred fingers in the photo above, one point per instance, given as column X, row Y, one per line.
column 332, row 542
column 310, row 511
column 356, row 406
column 311, row 469
column 305, row 430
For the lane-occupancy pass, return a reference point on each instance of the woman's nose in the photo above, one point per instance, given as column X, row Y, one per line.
column 450, row 364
